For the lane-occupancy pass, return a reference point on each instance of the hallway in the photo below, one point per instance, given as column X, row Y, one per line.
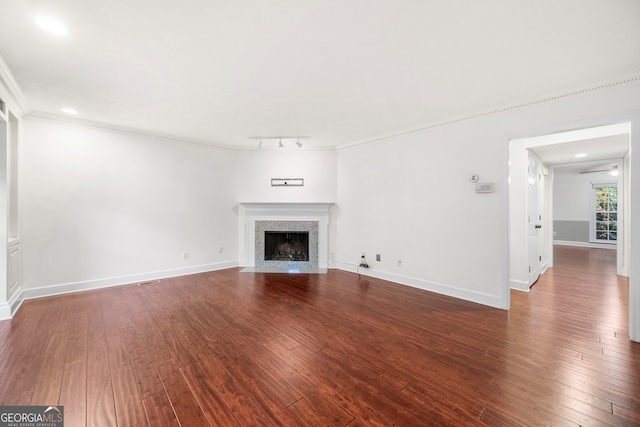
column 575, row 319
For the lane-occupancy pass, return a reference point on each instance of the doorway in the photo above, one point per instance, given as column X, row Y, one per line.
column 606, row 142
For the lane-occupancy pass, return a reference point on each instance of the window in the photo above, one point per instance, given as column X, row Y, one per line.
column 604, row 213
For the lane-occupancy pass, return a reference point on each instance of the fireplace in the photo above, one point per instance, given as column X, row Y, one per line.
column 296, row 228
column 286, row 246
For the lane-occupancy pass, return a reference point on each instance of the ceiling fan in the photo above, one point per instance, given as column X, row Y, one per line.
column 608, row 168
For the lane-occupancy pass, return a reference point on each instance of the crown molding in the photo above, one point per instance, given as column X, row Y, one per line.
column 619, row 81
column 44, row 115
column 16, row 101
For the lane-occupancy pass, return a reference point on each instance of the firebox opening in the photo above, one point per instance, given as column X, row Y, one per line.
column 286, row 246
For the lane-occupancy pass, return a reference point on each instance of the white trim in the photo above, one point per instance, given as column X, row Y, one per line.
column 21, row 100
column 17, row 103
column 76, row 121
column 5, row 311
column 65, row 288
column 439, row 288
column 634, row 232
column 594, row 185
column 620, row 81
column 43, row 115
column 249, row 213
column 585, row 244
column 519, row 285
column 505, row 288
column 544, row 267
column 8, row 309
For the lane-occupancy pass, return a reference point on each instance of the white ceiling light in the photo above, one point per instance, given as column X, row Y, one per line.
column 69, row 111
column 581, row 155
column 52, row 24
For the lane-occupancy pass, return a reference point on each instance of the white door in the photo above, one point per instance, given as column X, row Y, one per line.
column 534, row 219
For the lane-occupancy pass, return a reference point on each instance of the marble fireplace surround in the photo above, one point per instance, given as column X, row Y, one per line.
column 259, row 217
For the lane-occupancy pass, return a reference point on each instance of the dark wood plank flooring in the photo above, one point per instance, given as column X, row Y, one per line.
column 230, row 348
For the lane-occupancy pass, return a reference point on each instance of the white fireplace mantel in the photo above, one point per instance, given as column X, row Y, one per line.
column 249, row 213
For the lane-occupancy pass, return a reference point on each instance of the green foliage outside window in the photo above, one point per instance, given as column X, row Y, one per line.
column 607, row 213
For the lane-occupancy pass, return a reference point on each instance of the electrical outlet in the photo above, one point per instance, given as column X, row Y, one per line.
column 399, row 263
column 377, row 257
column 185, row 255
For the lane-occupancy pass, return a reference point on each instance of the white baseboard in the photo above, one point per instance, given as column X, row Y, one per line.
column 5, row 311
column 439, row 288
column 9, row 308
column 544, row 267
column 584, row 244
column 519, row 285
column 65, row 288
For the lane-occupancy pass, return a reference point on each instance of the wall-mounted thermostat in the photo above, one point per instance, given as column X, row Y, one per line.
column 484, row 187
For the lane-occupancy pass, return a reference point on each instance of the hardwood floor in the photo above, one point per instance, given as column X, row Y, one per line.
column 230, row 348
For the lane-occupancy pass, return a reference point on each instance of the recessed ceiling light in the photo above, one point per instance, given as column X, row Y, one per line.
column 52, row 24
column 581, row 155
column 69, row 111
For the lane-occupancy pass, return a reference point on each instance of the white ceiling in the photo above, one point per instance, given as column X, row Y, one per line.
column 341, row 72
column 596, row 149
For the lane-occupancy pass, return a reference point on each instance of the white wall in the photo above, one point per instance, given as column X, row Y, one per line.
column 409, row 198
column 571, row 195
column 101, row 207
column 257, row 168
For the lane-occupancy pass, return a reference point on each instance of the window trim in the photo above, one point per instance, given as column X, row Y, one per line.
column 592, row 210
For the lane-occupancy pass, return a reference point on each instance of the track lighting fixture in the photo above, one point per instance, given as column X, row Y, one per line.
column 264, row 141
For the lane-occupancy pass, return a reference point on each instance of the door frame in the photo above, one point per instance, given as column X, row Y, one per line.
column 514, row 223
column 535, row 193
